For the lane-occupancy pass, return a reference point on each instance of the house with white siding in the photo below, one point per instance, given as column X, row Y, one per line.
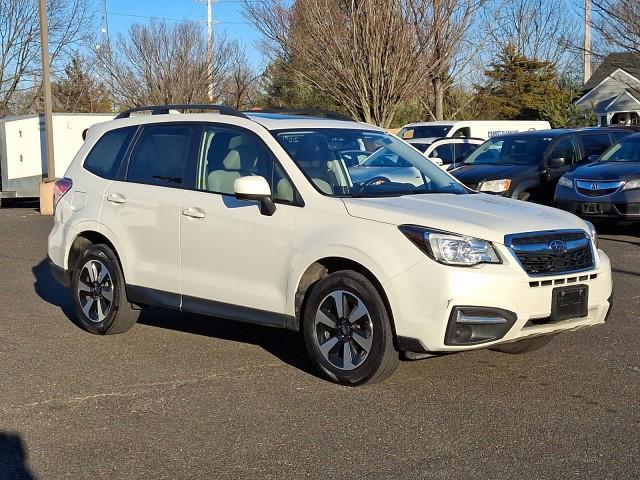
column 613, row 91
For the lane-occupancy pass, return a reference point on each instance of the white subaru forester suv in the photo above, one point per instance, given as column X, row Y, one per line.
column 255, row 218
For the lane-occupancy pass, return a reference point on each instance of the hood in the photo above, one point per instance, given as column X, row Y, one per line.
column 608, row 171
column 478, row 173
column 479, row 215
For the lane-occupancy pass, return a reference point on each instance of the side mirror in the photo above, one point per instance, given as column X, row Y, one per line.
column 593, row 158
column 255, row 188
column 557, row 162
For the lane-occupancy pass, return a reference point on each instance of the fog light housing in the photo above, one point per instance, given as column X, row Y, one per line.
column 476, row 325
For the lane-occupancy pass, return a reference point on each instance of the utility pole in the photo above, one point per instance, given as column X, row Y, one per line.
column 46, row 87
column 587, row 41
column 210, row 47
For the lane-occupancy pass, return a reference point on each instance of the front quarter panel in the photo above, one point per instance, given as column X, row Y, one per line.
column 379, row 247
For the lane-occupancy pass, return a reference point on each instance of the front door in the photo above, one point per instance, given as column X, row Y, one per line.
column 235, row 260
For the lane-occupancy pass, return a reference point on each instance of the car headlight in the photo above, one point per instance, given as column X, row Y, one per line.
column 593, row 233
column 565, row 182
column 450, row 248
column 495, row 186
column 631, row 184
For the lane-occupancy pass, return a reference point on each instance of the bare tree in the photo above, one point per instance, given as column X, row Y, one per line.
column 546, row 30
column 367, row 55
column 159, row 63
column 20, row 67
column 451, row 52
column 618, row 23
column 240, row 85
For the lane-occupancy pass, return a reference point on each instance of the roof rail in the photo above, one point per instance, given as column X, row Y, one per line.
column 311, row 112
column 165, row 109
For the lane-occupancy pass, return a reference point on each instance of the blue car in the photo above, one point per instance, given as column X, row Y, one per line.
column 606, row 189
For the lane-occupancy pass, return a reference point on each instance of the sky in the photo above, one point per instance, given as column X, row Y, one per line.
column 228, row 18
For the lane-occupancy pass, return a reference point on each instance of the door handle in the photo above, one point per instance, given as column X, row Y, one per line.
column 116, row 198
column 193, row 212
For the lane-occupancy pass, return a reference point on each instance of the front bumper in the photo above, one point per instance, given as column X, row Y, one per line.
column 423, row 298
column 623, row 205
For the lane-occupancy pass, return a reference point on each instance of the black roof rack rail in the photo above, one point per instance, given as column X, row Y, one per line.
column 164, row 109
column 310, row 112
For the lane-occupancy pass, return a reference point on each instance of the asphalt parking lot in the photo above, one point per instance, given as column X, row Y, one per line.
column 188, row 397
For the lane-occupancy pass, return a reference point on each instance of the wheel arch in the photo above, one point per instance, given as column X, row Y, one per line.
column 81, row 242
column 322, row 267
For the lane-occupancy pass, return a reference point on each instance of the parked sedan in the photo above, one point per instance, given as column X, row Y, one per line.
column 607, row 189
column 527, row 165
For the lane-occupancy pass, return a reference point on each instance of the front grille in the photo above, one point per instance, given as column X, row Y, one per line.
column 596, row 188
column 553, row 252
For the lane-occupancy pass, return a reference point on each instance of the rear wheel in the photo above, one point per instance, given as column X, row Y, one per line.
column 347, row 330
column 524, row 346
column 99, row 295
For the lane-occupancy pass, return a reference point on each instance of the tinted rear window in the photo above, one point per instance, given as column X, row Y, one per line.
column 105, row 157
column 161, row 155
column 595, row 144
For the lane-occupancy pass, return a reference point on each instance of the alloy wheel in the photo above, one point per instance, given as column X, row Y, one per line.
column 343, row 330
column 95, row 291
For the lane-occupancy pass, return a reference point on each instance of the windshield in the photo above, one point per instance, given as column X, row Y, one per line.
column 361, row 163
column 626, row 151
column 424, row 131
column 510, row 150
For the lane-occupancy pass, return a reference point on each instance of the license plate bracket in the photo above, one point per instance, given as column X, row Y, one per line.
column 592, row 208
column 569, row 302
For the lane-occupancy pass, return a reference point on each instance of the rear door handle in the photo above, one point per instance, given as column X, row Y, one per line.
column 193, row 212
column 116, row 198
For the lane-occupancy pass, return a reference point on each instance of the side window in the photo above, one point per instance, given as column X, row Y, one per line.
column 463, row 150
column 161, row 155
column 464, row 132
column 566, row 149
column 595, row 144
column 619, row 135
column 105, row 157
column 443, row 152
column 227, row 154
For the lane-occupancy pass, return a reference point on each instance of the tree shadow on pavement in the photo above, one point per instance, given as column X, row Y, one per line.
column 286, row 345
column 13, row 458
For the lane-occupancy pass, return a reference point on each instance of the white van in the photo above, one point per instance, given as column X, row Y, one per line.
column 482, row 129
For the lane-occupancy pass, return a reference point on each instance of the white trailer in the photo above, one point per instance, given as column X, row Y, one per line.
column 23, row 160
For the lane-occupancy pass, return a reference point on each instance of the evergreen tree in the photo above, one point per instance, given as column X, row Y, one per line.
column 78, row 92
column 519, row 88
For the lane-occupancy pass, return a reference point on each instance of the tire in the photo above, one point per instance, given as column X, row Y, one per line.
column 99, row 295
column 524, row 346
column 524, row 196
column 361, row 333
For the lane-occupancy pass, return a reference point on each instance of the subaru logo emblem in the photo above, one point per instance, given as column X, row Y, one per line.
column 594, row 186
column 558, row 246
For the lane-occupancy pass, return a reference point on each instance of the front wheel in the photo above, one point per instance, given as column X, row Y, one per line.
column 524, row 346
column 99, row 295
column 347, row 330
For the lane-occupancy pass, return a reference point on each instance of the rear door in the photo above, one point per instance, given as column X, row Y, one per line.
column 141, row 210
